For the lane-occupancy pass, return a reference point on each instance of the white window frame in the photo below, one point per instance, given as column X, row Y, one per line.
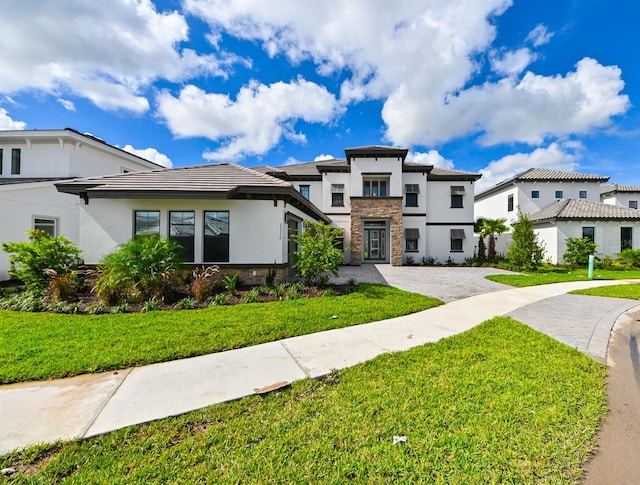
column 39, row 219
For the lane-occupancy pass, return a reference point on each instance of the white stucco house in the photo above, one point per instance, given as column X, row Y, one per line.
column 390, row 210
column 561, row 205
column 620, row 195
column 31, row 161
column 241, row 219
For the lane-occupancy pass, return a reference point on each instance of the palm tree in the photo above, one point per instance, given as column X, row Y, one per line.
column 478, row 228
column 493, row 228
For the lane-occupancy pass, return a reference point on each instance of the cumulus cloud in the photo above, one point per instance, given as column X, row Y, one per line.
column 512, row 63
column 6, row 123
column 319, row 158
column 108, row 52
column 432, row 157
column 67, row 104
column 556, row 156
column 540, row 35
column 150, row 154
column 252, row 123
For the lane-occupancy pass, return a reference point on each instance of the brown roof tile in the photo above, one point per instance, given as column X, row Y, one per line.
column 573, row 209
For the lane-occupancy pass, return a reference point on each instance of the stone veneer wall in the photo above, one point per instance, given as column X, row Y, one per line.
column 380, row 208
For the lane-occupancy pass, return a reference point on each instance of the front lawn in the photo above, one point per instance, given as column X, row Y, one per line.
column 555, row 275
column 500, row 403
column 616, row 291
column 38, row 346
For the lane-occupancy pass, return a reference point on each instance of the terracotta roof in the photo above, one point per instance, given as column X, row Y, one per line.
column 543, row 175
column 214, row 181
column 617, row 188
column 574, row 209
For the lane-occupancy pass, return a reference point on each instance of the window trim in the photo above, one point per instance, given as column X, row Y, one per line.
column 16, row 161
column 629, row 244
column 193, row 236
column 411, row 190
column 1, row 159
column 510, row 203
column 411, row 237
column 135, row 222
column 593, row 230
column 535, row 194
column 633, row 204
column 204, row 235
column 367, row 183
column 54, row 220
column 303, row 188
column 456, row 235
column 580, row 194
column 559, row 194
column 337, row 189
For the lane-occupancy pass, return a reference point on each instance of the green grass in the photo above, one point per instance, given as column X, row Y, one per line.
column 616, row 291
column 38, row 346
column 500, row 403
column 555, row 275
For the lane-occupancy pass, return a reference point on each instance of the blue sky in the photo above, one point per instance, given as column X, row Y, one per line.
column 490, row 86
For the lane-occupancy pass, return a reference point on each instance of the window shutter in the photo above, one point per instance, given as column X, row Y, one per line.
column 412, row 189
column 337, row 188
column 412, row 233
column 457, row 190
column 457, row 233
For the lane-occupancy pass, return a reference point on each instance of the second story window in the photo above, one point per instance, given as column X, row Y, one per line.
column 535, row 194
column 1, row 157
column 583, row 194
column 337, row 195
column 457, row 193
column 15, row 161
column 411, row 195
column 559, row 194
column 633, row 204
column 304, row 191
column 510, row 203
column 374, row 187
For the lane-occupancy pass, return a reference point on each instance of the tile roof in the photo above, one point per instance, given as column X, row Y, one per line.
column 29, row 180
column 617, row 188
column 574, row 209
column 439, row 173
column 543, row 175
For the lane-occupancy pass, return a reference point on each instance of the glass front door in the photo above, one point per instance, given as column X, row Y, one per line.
column 375, row 244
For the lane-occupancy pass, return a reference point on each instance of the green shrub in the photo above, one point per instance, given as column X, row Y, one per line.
column 219, row 300
column 30, row 259
column 230, row 283
column 317, row 253
column 251, row 296
column 27, row 301
column 630, row 257
column 144, row 268
column 121, row 308
column 202, row 282
column 149, row 306
column 97, row 309
column 63, row 286
column 185, row 304
column 578, row 251
column 525, row 252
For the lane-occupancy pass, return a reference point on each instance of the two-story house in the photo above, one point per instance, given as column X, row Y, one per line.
column 31, row 161
column 620, row 195
column 390, row 210
column 561, row 205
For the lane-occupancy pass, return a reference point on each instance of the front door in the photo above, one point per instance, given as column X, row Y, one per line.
column 375, row 243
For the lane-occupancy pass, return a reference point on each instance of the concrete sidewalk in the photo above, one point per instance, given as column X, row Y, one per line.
column 89, row 405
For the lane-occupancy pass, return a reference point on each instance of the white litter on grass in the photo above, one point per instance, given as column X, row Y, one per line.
column 333, row 317
column 399, row 439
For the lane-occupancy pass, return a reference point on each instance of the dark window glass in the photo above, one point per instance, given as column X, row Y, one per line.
column 589, row 233
column 216, row 236
column 337, row 199
column 456, row 201
column 626, row 238
column 146, row 222
column 411, row 200
column 16, row 155
column 633, row 204
column 583, row 194
column 46, row 225
column 182, row 230
column 1, row 159
column 456, row 245
column 510, row 203
column 304, row 190
column 535, row 194
column 558, row 194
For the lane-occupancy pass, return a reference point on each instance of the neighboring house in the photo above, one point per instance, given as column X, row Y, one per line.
column 620, row 195
column 611, row 228
column 561, row 204
column 223, row 214
column 31, row 161
column 389, row 209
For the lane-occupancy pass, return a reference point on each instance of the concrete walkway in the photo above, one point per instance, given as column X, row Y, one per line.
column 89, row 405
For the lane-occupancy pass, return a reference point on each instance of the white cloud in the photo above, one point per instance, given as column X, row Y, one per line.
column 556, row 156
column 150, row 154
column 432, row 157
column 421, row 59
column 6, row 123
column 252, row 123
column 539, row 36
column 512, row 63
column 96, row 50
column 319, row 158
column 67, row 104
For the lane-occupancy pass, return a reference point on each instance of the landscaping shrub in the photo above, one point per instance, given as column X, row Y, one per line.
column 144, row 268
column 30, row 259
column 630, row 258
column 525, row 252
column 202, row 282
column 578, row 251
column 317, row 253
column 230, row 283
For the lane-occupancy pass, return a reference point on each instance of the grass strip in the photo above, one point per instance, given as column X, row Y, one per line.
column 548, row 276
column 38, row 346
column 500, row 403
column 631, row 292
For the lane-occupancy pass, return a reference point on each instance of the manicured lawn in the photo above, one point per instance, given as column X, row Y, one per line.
column 616, row 291
column 39, row 346
column 559, row 276
column 500, row 403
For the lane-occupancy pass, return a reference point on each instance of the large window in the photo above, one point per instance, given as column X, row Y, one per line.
column 46, row 224
column 589, row 233
column 182, row 230
column 411, row 237
column 411, row 195
column 304, row 191
column 626, row 238
column 146, row 222
column 337, row 195
column 510, row 203
column 457, row 239
column 15, row 161
column 457, row 194
column 216, row 236
column 633, row 204
column 374, row 187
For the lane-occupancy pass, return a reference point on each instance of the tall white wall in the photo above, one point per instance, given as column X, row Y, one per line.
column 386, row 167
column 622, row 199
